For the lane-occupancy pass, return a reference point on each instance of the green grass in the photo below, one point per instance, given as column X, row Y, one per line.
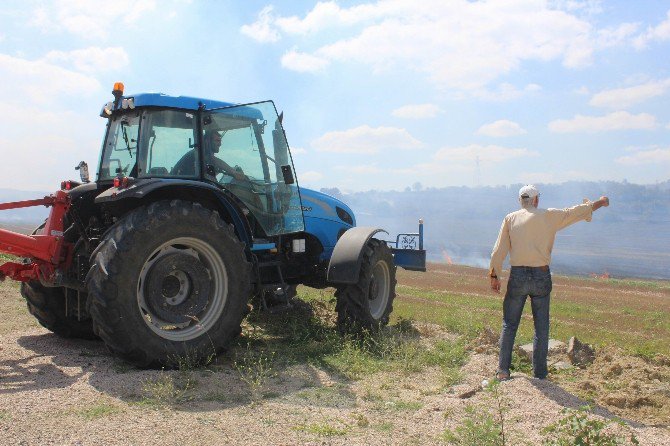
column 645, row 332
column 308, row 335
column 321, row 429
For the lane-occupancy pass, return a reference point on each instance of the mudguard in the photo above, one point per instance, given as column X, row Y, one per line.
column 142, row 188
column 345, row 263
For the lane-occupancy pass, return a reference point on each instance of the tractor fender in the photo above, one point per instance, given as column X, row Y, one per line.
column 152, row 189
column 345, row 263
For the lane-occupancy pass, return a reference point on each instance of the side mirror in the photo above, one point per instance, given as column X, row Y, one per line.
column 288, row 174
column 82, row 167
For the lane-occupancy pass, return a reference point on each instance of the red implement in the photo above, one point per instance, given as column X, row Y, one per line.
column 45, row 253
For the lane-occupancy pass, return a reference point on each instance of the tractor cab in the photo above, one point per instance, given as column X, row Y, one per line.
column 239, row 148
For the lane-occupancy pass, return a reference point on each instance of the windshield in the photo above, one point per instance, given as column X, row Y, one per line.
column 119, row 154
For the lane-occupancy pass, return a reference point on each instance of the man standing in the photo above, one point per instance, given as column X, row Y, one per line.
column 528, row 236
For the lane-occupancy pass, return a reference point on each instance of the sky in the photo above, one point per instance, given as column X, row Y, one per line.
column 378, row 95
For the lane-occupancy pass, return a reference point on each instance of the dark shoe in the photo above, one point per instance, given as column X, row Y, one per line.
column 502, row 376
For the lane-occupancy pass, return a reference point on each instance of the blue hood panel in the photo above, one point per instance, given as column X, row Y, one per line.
column 322, row 219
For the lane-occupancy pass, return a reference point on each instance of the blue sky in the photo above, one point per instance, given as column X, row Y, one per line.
column 376, row 95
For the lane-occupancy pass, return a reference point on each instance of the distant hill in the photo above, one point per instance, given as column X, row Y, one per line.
column 25, row 216
column 630, row 238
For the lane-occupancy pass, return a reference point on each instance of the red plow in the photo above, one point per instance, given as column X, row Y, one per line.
column 43, row 256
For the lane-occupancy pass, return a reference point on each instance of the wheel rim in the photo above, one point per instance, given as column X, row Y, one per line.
column 182, row 289
column 378, row 294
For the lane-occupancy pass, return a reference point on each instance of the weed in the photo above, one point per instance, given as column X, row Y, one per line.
column 361, row 420
column 483, row 426
column 386, row 426
column 99, row 411
column 321, row 429
column 255, row 367
column 4, row 415
column 577, row 429
column 478, row 429
column 168, row 389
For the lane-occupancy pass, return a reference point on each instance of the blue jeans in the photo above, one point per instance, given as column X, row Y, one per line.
column 526, row 281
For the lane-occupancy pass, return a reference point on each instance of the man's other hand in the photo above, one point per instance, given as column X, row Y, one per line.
column 495, row 284
column 601, row 202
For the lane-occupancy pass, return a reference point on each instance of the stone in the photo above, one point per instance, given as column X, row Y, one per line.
column 555, row 347
column 580, row 354
column 562, row 365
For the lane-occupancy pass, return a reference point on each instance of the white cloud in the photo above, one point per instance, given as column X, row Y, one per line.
column 327, row 15
column 624, row 97
column 445, row 41
column 92, row 59
column 501, row 128
column 619, row 120
column 417, row 111
column 366, row 139
column 303, row 62
column 610, row 37
column 474, row 152
column 261, row 30
column 298, row 151
column 311, row 176
column 505, row 92
column 89, row 20
column 39, row 81
column 658, row 33
column 652, row 156
column 368, row 169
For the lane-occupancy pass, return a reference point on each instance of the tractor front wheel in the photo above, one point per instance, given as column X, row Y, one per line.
column 368, row 303
column 169, row 285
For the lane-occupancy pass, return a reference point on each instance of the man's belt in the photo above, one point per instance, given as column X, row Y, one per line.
column 541, row 268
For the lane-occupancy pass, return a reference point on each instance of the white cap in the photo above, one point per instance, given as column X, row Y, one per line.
column 529, row 191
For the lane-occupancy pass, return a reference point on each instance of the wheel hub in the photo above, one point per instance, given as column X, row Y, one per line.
column 177, row 287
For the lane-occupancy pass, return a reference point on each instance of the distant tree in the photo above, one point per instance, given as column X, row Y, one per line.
column 417, row 186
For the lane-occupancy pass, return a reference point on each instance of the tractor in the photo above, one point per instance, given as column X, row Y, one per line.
column 195, row 211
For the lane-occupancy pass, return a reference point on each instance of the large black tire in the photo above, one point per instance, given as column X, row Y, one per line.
column 367, row 304
column 168, row 285
column 49, row 307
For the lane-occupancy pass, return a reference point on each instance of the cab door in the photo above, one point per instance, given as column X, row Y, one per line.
column 245, row 151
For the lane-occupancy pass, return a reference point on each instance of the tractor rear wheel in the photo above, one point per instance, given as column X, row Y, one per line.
column 169, row 285
column 50, row 308
column 367, row 304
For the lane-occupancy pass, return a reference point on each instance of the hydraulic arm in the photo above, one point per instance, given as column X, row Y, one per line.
column 43, row 255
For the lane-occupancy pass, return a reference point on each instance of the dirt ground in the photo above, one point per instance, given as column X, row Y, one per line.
column 72, row 392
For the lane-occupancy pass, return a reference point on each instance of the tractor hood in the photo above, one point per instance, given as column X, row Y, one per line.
column 319, row 205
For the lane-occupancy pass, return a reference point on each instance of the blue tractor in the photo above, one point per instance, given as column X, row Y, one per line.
column 196, row 210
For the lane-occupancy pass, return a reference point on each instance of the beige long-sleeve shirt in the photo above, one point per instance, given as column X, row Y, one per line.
column 528, row 235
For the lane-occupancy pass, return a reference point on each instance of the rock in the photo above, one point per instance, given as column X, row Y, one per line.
column 562, row 365
column 555, row 347
column 580, row 354
column 468, row 393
